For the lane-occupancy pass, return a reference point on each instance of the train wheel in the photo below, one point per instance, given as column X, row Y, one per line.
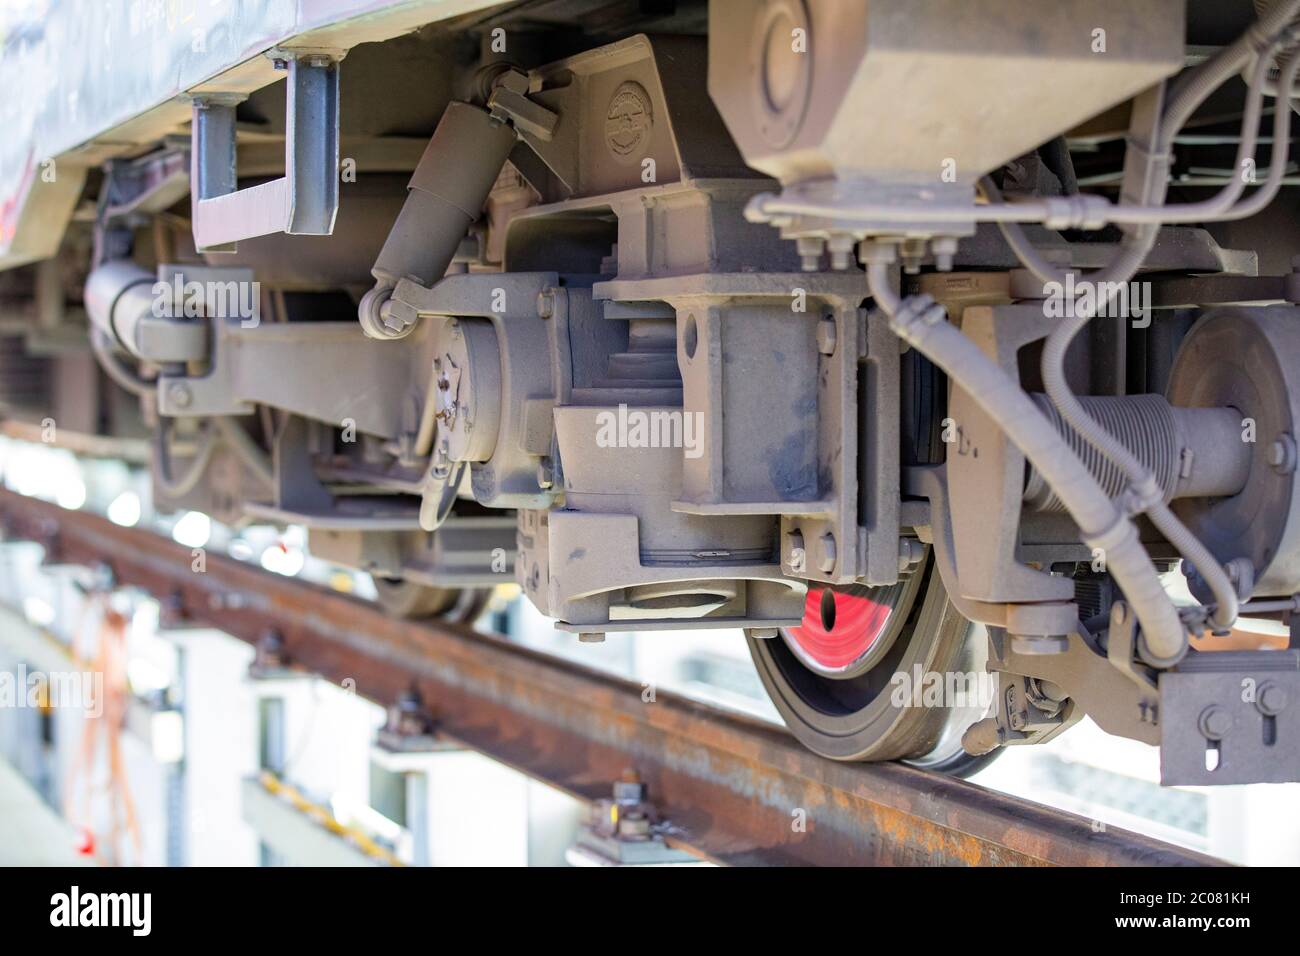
column 409, row 599
column 834, row 681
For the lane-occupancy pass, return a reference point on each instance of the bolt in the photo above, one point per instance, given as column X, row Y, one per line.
column 798, row 557
column 841, row 250
column 910, row 552
column 408, row 717
column 280, row 63
column 592, row 637
column 396, row 316
column 545, row 474
column 318, row 60
column 1271, row 700
column 762, row 633
column 1215, row 723
column 1282, row 454
column 629, row 788
column 912, row 252
column 826, row 336
column 828, row 553
column 944, row 249
column 546, row 303
column 810, row 252
column 178, row 393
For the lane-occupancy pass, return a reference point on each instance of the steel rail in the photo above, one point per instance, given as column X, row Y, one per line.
column 730, row 787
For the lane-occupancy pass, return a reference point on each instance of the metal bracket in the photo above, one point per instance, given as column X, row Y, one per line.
column 1231, row 717
column 986, row 473
column 1117, row 701
column 509, row 102
column 281, row 364
column 302, row 202
column 626, row 830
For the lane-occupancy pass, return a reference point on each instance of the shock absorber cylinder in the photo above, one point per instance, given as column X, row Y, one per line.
column 443, row 199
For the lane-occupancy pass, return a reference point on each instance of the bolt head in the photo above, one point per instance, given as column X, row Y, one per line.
column 545, row 474
column 180, row 395
column 629, row 791
column 910, row 552
column 841, row 247
column 826, row 336
column 1271, row 700
column 810, row 249
column 546, row 303
column 397, row 317
column 944, row 249
column 828, row 557
column 795, row 555
column 1215, row 723
column 1282, row 454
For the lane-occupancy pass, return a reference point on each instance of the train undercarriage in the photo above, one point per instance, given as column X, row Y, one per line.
column 950, row 349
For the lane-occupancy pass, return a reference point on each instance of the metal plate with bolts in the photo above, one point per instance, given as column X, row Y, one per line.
column 1231, row 717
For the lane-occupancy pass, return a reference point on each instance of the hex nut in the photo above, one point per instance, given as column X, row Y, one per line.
column 828, row 557
column 546, row 303
column 1271, row 700
column 797, row 553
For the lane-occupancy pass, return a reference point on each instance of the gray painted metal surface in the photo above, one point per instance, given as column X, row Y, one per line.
column 74, row 70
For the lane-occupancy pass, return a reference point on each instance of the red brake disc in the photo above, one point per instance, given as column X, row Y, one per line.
column 855, row 624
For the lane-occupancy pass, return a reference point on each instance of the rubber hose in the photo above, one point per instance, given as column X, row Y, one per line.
column 921, row 323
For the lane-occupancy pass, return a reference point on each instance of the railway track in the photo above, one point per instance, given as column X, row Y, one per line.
column 730, row 789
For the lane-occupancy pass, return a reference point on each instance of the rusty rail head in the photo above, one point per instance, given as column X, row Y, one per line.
column 732, row 788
